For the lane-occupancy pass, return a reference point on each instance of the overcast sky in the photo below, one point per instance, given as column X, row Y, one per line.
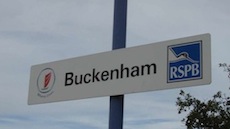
column 39, row 31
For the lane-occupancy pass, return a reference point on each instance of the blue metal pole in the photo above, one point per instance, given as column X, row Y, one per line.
column 119, row 41
column 119, row 24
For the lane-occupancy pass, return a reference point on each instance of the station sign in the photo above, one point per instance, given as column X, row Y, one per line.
column 163, row 65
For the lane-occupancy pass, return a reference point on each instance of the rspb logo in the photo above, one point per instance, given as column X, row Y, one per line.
column 185, row 61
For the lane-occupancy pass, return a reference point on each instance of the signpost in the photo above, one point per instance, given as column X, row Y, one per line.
column 164, row 65
column 157, row 66
column 119, row 41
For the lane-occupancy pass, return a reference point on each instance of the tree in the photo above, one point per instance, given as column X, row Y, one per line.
column 226, row 68
column 210, row 114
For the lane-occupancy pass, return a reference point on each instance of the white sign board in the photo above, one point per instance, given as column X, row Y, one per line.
column 163, row 65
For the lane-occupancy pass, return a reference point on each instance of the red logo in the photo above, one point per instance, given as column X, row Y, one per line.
column 45, row 82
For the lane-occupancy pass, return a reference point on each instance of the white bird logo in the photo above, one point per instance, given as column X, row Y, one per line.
column 179, row 57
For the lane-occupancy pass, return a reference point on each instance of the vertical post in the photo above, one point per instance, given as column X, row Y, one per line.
column 119, row 39
column 119, row 24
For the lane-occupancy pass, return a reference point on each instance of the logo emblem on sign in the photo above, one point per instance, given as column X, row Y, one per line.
column 45, row 82
column 185, row 62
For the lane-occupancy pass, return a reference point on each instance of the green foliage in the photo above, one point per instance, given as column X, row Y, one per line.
column 210, row 114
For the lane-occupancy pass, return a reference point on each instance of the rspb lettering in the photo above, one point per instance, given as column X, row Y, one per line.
column 184, row 62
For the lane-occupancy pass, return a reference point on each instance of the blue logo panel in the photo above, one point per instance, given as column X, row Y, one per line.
column 184, row 61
